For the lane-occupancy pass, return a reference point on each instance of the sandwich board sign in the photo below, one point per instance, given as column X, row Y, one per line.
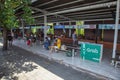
column 91, row 51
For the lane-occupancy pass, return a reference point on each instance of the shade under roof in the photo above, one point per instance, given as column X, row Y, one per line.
column 73, row 10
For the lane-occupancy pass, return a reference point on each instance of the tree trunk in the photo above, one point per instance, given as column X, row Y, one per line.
column 5, row 46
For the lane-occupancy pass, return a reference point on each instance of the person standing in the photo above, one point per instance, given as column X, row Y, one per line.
column 10, row 39
column 12, row 34
column 74, row 38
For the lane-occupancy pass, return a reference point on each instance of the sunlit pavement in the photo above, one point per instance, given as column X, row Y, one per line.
column 18, row 64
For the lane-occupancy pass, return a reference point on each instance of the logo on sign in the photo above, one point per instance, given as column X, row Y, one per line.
column 92, row 50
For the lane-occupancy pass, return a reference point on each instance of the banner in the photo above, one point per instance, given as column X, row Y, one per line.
column 107, row 26
column 78, row 30
column 69, row 27
column 79, row 23
column 87, row 27
column 59, row 27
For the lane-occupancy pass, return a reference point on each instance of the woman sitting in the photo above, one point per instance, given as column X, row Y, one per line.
column 56, row 46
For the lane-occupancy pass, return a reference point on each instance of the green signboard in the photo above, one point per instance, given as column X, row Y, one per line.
column 91, row 51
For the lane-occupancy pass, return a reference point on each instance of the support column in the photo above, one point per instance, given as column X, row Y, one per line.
column 116, row 30
column 22, row 28
column 96, row 34
column 45, row 26
column 70, row 30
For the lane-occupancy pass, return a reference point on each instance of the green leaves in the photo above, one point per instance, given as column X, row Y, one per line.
column 7, row 13
column 27, row 16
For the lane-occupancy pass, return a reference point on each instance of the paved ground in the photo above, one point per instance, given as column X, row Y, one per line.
column 18, row 64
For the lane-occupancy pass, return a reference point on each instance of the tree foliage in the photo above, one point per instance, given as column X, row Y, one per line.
column 8, row 8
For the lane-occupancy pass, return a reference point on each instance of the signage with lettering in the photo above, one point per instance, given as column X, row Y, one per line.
column 59, row 27
column 107, row 26
column 87, row 27
column 91, row 51
column 69, row 27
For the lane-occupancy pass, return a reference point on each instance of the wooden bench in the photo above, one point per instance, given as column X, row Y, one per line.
column 67, row 51
column 62, row 50
column 66, row 40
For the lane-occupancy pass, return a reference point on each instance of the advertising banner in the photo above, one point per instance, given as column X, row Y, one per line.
column 91, row 51
column 107, row 26
column 69, row 27
column 87, row 27
column 59, row 27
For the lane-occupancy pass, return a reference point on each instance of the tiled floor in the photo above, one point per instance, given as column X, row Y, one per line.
column 104, row 68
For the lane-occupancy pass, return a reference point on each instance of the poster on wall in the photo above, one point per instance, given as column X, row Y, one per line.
column 50, row 30
column 78, row 24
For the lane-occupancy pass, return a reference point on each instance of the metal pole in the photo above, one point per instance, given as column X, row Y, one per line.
column 22, row 28
column 45, row 26
column 116, row 30
column 69, row 29
column 96, row 34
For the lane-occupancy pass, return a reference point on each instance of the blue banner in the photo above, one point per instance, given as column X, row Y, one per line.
column 59, row 27
column 107, row 26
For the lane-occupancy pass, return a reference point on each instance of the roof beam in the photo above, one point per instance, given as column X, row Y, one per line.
column 77, row 20
column 46, row 3
column 37, row 9
column 96, row 16
column 83, row 8
column 88, row 12
column 100, row 16
column 82, row 18
column 92, row 14
column 43, row 11
column 83, row 5
column 64, row 4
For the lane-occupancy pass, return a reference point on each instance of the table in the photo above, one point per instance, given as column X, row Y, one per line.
column 73, row 49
